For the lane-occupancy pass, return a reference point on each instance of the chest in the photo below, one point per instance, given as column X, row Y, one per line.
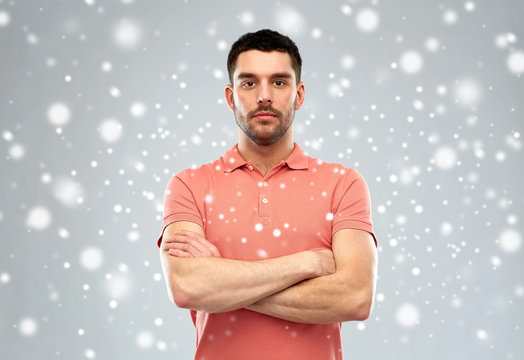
column 254, row 218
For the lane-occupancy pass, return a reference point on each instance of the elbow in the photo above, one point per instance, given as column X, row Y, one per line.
column 184, row 296
column 179, row 295
column 359, row 309
column 363, row 311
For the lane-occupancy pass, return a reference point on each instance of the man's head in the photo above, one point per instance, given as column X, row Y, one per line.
column 264, row 92
column 264, row 40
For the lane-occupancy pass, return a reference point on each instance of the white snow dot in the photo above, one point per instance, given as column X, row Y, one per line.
column 347, row 62
column 127, row 34
column 289, row 20
column 346, row 9
column 277, row 232
column 496, row 261
column 117, row 208
column 510, row 240
column 110, row 130
column 407, row 315
column 450, row 17
column 58, row 114
column 144, row 339
column 367, row 20
column 415, row 271
column 381, row 209
column 419, row 209
column 5, row 18
column 467, row 92
column 90, row 354
column 107, row 66
column 218, row 74
column 137, row 109
column 7, row 135
column 32, row 39
column 380, row 297
column 118, row 286
column 5, row 278
column 38, row 218
column 432, row 44
column 133, row 236
column 261, row 253
column 446, row 229
column 91, row 258
column 445, row 158
column 159, row 321
column 64, row 233
column 28, row 326
column 16, row 151
column 115, row 92
column 113, row 304
column 316, row 33
column 329, row 216
column 411, row 62
column 482, row 334
column 68, row 192
column 196, row 139
column 515, row 62
column 247, row 18
column 258, row 227
column 361, row 326
column 469, row 6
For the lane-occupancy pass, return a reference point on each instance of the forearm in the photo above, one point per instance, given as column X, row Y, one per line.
column 213, row 284
column 322, row 300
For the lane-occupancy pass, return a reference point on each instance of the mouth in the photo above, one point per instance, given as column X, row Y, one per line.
column 265, row 116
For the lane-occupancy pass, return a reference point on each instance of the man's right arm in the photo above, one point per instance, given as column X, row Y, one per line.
column 213, row 284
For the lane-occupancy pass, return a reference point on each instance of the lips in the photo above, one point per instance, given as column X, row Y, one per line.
column 265, row 116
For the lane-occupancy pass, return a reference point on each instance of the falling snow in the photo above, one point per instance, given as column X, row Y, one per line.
column 103, row 102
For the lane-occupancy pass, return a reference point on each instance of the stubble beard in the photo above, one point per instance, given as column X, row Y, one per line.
column 264, row 138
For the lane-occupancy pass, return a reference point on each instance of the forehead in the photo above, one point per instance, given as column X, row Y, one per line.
column 263, row 63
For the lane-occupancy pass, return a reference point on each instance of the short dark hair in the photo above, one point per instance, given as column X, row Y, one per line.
column 264, row 40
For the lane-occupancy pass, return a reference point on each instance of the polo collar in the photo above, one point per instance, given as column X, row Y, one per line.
column 296, row 160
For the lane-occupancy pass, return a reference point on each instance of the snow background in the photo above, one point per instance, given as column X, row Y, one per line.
column 101, row 102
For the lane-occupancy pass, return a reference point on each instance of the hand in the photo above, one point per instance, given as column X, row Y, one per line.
column 325, row 262
column 189, row 244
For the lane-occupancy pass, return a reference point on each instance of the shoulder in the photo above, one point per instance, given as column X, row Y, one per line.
column 200, row 174
column 334, row 171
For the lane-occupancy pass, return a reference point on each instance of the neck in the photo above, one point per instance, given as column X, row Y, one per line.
column 265, row 157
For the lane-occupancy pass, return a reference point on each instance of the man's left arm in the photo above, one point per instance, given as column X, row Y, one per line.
column 344, row 295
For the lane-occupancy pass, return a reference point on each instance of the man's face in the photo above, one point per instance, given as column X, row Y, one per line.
column 264, row 95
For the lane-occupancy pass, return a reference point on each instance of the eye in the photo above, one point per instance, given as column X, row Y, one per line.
column 280, row 83
column 248, row 84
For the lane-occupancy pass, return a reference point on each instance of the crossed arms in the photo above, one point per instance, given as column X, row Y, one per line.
column 318, row 287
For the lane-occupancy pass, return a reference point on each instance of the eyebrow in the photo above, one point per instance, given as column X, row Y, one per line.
column 283, row 75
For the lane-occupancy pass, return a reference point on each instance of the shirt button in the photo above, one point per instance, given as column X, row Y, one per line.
column 265, row 201
column 265, row 183
column 250, row 167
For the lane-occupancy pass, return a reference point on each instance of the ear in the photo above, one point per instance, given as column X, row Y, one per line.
column 301, row 95
column 228, row 94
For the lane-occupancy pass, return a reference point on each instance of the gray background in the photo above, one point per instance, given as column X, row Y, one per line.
column 440, row 146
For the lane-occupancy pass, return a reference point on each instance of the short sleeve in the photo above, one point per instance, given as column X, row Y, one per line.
column 354, row 207
column 179, row 205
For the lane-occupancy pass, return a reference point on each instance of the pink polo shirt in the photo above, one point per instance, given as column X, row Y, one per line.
column 298, row 205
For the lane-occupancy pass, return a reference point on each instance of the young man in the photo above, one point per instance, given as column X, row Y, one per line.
column 269, row 248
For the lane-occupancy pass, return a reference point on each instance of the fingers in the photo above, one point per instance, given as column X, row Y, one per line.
column 192, row 243
column 179, row 253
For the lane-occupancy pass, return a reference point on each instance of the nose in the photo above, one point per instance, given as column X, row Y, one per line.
column 264, row 96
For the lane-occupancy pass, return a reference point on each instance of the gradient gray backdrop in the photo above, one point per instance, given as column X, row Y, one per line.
column 102, row 101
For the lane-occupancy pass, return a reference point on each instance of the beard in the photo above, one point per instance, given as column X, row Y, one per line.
column 264, row 134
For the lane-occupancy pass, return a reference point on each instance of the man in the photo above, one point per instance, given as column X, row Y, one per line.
column 269, row 248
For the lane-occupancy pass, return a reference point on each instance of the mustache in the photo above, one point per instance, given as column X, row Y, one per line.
column 265, row 108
